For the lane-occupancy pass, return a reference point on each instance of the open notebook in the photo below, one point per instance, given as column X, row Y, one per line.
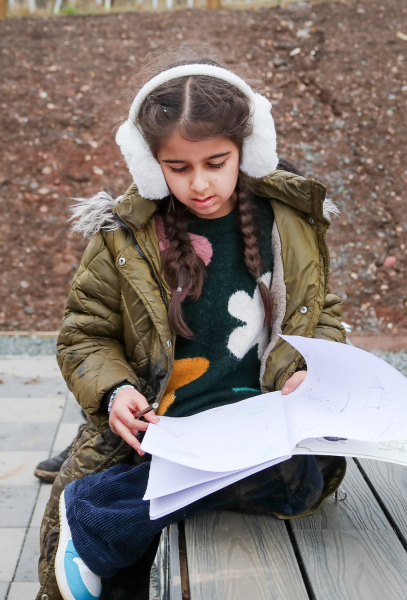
column 350, row 404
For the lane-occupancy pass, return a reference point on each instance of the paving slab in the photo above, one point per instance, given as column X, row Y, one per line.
column 17, row 468
column 30, row 368
column 11, row 541
column 31, row 410
column 73, row 411
column 27, row 436
column 17, row 504
column 23, row 591
column 27, row 570
column 65, row 436
column 42, row 500
column 31, row 387
column 3, row 589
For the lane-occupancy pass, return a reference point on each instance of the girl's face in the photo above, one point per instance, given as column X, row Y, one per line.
column 202, row 175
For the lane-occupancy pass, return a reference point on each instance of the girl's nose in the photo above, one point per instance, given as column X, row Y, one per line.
column 199, row 183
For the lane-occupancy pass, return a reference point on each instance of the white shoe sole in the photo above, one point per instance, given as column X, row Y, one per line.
column 64, row 538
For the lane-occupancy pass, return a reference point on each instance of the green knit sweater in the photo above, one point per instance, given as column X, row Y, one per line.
column 221, row 364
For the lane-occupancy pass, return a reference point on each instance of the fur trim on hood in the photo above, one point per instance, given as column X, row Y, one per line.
column 330, row 208
column 89, row 215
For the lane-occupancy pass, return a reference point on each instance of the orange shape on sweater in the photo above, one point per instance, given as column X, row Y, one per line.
column 185, row 370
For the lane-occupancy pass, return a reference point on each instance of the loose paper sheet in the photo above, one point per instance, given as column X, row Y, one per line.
column 347, row 393
column 168, row 504
column 394, row 451
column 229, row 438
column 167, row 477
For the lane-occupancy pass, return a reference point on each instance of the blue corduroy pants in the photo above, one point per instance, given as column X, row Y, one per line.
column 110, row 522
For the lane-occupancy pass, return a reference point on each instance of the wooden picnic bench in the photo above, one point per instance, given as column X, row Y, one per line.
column 351, row 550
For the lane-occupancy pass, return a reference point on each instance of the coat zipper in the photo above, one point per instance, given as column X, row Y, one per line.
column 160, row 285
column 144, row 257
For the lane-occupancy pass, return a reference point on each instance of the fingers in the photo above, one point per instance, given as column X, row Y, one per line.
column 141, row 404
column 122, row 422
column 122, row 430
column 134, row 425
column 138, row 400
column 151, row 417
column 126, row 416
column 294, row 382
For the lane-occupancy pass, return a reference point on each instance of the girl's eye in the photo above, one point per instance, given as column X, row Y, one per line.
column 181, row 170
column 210, row 165
column 217, row 166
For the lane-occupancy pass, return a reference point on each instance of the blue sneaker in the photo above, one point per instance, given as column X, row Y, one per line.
column 75, row 580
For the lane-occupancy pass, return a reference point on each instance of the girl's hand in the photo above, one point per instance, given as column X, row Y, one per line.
column 121, row 420
column 293, row 382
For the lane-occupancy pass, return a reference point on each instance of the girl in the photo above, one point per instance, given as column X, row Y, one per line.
column 179, row 299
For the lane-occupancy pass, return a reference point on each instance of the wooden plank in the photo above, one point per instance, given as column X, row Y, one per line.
column 174, row 583
column 359, row 511
column 349, row 550
column 161, row 561
column 390, row 483
column 354, row 565
column 232, row 556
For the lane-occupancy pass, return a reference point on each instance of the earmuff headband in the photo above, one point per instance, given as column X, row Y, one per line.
column 259, row 156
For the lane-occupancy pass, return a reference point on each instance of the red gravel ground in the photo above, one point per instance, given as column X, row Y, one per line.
column 339, row 102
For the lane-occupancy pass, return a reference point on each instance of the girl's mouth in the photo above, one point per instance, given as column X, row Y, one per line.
column 204, row 202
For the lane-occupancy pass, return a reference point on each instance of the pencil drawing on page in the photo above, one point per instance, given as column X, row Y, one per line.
column 377, row 395
column 386, row 430
column 175, row 432
column 332, row 405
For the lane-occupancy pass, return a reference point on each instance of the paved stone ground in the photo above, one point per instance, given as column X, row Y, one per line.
column 39, row 418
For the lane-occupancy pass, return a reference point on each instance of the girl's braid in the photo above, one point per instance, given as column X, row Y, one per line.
column 251, row 247
column 184, row 269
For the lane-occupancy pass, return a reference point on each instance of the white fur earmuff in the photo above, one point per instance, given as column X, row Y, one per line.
column 259, row 156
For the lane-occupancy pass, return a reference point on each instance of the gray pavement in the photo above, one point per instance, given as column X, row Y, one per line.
column 38, row 418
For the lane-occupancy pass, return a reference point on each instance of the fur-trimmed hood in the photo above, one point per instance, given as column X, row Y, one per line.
column 89, row 215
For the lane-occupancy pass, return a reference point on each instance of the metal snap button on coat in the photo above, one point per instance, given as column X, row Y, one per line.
column 311, row 220
column 303, row 309
column 122, row 261
column 169, row 343
column 45, row 597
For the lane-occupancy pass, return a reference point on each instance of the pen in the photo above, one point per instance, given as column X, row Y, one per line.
column 141, row 413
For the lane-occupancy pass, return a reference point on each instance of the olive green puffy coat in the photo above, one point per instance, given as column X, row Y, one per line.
column 116, row 327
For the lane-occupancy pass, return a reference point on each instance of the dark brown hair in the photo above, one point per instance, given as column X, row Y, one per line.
column 199, row 107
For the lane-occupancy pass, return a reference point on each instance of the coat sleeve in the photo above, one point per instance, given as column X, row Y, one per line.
column 329, row 326
column 90, row 348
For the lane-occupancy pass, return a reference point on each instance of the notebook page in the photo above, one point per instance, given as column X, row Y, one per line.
column 168, row 504
column 347, row 393
column 167, row 477
column 394, row 451
column 224, row 439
